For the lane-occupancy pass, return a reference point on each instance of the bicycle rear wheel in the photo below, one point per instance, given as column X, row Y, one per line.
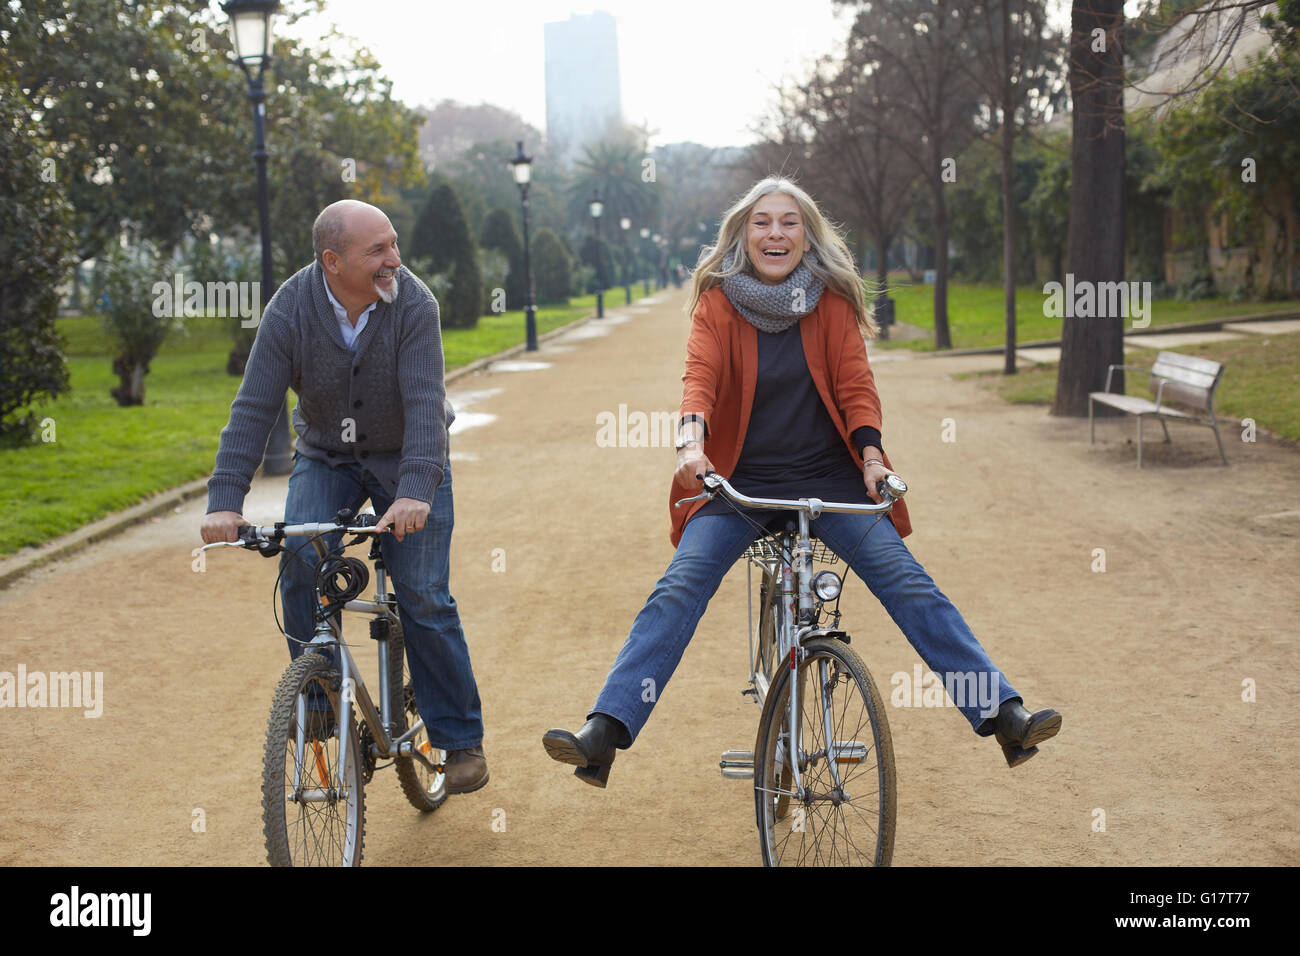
column 843, row 813
column 424, row 789
column 313, row 809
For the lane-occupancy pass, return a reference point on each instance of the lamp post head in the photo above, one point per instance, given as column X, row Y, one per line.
column 625, row 223
column 645, row 232
column 596, row 206
column 521, row 165
column 250, row 30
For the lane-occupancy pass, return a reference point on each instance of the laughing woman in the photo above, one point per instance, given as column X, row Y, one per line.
column 779, row 398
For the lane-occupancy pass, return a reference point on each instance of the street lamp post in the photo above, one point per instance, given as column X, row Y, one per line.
column 645, row 276
column 250, row 29
column 625, row 224
column 597, row 207
column 522, row 166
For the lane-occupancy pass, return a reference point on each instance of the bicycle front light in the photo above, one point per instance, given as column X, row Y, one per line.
column 827, row 585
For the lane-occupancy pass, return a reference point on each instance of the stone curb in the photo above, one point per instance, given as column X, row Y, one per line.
column 1211, row 325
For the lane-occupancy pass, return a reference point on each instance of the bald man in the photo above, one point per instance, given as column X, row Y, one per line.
column 356, row 336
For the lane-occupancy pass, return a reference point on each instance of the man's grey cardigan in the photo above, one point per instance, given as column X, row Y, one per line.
column 383, row 406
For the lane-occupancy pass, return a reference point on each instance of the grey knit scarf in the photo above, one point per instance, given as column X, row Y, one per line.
column 774, row 308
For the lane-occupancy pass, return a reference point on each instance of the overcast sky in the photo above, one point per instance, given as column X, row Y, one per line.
column 698, row 70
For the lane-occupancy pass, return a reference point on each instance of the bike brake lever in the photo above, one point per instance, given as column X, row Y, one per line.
column 702, row 496
column 705, row 495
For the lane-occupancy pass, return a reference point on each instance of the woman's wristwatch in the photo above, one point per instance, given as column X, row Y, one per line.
column 682, row 442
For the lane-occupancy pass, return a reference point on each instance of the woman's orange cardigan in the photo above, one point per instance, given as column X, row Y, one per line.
column 722, row 368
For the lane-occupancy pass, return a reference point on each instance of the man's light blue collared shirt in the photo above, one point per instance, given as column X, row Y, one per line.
column 349, row 331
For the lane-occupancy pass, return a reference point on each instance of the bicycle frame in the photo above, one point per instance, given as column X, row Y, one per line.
column 797, row 610
column 328, row 633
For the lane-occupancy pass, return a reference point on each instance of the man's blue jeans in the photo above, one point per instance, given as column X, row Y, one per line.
column 419, row 567
column 711, row 544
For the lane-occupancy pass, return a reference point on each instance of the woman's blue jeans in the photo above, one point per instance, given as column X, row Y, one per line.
column 419, row 567
column 711, row 544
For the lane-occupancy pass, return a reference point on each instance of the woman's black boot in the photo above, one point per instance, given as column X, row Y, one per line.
column 1019, row 732
column 591, row 749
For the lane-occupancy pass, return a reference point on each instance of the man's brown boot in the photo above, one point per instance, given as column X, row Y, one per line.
column 466, row 770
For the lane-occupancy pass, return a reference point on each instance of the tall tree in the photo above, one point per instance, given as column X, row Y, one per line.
column 147, row 117
column 451, row 129
column 923, row 42
column 1096, row 242
column 36, row 242
column 1015, row 67
column 856, row 120
column 612, row 169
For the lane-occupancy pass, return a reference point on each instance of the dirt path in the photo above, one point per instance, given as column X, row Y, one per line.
column 1146, row 661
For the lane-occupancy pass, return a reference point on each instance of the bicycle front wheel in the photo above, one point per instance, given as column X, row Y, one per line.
column 841, row 810
column 313, row 808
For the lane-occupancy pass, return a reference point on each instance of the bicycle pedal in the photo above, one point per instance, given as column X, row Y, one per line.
column 737, row 765
column 849, row 751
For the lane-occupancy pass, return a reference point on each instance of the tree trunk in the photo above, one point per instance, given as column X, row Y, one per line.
column 1096, row 235
column 942, row 340
column 130, row 374
column 1008, row 193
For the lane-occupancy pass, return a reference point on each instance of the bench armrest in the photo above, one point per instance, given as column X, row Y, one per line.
column 1160, row 391
column 1129, row 368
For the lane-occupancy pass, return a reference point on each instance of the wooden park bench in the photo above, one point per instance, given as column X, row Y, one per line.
column 1181, row 379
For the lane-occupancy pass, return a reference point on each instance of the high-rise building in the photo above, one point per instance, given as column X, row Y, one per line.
column 583, row 98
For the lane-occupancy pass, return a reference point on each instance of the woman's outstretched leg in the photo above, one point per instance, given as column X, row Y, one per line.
column 938, row 632
column 709, row 546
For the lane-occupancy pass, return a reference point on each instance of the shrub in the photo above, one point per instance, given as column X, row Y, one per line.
column 136, row 315
column 495, row 268
column 442, row 235
column 499, row 233
column 553, row 269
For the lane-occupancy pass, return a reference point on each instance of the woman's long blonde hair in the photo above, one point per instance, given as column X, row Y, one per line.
column 834, row 265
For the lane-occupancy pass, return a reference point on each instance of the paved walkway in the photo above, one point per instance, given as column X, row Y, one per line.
column 1146, row 659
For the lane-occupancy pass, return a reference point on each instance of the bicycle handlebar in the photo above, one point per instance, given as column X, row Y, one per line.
column 253, row 536
column 891, row 489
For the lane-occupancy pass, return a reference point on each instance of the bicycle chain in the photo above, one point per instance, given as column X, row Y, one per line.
column 367, row 742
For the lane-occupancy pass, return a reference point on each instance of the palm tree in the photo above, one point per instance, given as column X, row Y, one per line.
column 614, row 170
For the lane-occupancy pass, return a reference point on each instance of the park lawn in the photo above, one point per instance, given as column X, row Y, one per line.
column 976, row 318
column 1261, row 381
column 104, row 458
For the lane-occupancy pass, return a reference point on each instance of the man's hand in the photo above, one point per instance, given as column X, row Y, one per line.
column 406, row 516
column 692, row 461
column 221, row 526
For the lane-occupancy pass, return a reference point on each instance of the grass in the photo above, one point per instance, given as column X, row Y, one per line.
column 104, row 458
column 976, row 313
column 1261, row 381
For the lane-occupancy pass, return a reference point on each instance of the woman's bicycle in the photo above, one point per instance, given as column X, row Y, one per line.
column 317, row 759
column 823, row 762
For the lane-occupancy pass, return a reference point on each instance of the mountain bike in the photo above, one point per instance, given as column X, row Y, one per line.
column 317, row 757
column 823, row 761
